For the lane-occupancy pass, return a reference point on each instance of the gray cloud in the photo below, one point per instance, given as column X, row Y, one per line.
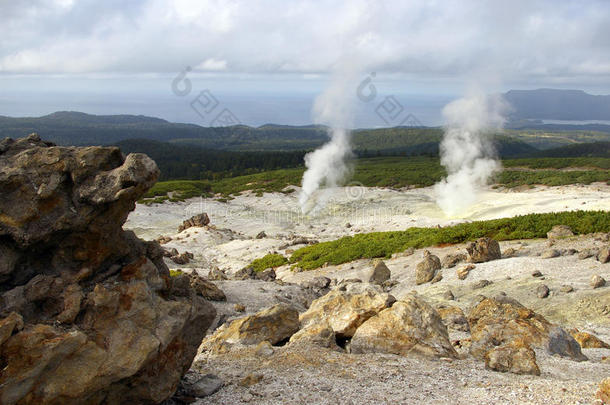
column 519, row 40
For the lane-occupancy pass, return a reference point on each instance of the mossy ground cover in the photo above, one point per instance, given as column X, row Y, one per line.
column 384, row 244
column 268, row 261
column 393, row 172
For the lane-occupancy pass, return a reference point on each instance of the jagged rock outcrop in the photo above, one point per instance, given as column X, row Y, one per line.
column 88, row 312
column 505, row 326
column 409, row 327
column 483, row 250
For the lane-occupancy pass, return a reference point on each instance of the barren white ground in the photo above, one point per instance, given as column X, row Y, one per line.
column 319, row 376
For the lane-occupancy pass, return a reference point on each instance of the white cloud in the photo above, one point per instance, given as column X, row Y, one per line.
column 518, row 39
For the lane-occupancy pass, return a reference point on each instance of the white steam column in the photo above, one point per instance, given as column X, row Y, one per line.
column 466, row 150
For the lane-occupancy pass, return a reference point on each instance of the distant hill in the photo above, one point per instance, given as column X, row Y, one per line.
column 553, row 104
column 595, row 149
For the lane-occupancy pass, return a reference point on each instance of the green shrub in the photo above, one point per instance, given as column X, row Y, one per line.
column 268, row 261
column 384, row 244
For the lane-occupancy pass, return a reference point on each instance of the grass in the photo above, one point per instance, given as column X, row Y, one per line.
column 395, row 172
column 175, row 273
column 268, row 261
column 384, row 244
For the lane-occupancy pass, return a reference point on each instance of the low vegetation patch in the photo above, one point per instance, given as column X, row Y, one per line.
column 384, row 244
column 271, row 260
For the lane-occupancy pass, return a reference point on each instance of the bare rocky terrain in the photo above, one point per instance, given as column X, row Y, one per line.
column 552, row 278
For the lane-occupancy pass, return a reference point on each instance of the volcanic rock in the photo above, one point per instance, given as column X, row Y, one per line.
column 273, row 324
column 502, row 321
column 603, row 393
column 452, row 259
column 206, row 289
column 90, row 314
column 587, row 340
column 559, row 232
column 515, row 357
column 550, row 253
column 453, row 318
column 410, row 327
column 199, row 220
column 427, row 268
column 345, row 311
column 597, row 281
column 542, row 291
column 483, row 250
column 463, row 271
column 604, row 254
column 379, row 273
column 318, row 334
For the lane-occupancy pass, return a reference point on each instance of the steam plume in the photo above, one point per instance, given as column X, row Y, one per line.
column 329, row 166
column 466, row 150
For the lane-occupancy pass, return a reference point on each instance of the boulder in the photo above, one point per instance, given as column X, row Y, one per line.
column 217, row 275
column 199, row 220
column 206, row 289
column 542, row 291
column 483, row 250
column 550, row 253
column 318, row 334
column 379, row 274
column 275, row 324
column 261, row 235
column 604, row 254
column 503, row 321
column 516, row 357
column 559, row 232
column 247, row 273
column 409, row 327
column 463, row 271
column 344, row 311
column 427, row 268
column 265, row 275
column 453, row 317
column 586, row 253
column 452, row 259
column 603, row 393
column 90, row 314
column 597, row 281
column 587, row 340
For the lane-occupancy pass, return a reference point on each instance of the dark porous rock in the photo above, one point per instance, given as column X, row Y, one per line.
column 88, row 312
column 452, row 259
column 427, row 268
column 261, row 235
column 604, row 254
column 206, row 288
column 265, row 275
column 247, row 273
column 379, row 273
column 483, row 250
column 542, row 291
column 480, row 284
column 199, row 220
column 217, row 275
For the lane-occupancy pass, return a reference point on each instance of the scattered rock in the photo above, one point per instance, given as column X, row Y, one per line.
column 379, row 273
column 483, row 250
column 206, row 289
column 454, row 318
column 463, row 271
column 265, row 275
column 273, row 324
column 503, row 321
column 264, row 349
column 409, row 327
column 438, row 277
column 597, row 281
column 247, row 273
column 550, row 253
column 318, row 334
column 345, row 311
column 452, row 259
column 586, row 253
column 566, row 289
column 481, row 284
column 261, row 235
column 317, row 283
column 239, row 308
column 199, row 220
column 542, row 291
column 205, row 386
column 182, row 258
column 509, row 252
column 536, row 273
column 603, row 393
column 604, row 255
column 250, row 380
column 217, row 275
column 559, row 232
column 164, row 239
column 407, row 252
column 448, row 295
column 427, row 268
column 515, row 357
column 587, row 340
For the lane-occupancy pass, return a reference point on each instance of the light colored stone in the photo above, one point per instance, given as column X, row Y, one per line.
column 515, row 357
column 603, row 393
column 454, row 318
column 463, row 271
column 587, row 340
column 345, row 311
column 550, row 253
column 597, row 281
column 409, row 327
column 559, row 232
column 604, row 254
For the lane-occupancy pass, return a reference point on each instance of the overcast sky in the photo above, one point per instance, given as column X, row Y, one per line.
column 426, row 46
